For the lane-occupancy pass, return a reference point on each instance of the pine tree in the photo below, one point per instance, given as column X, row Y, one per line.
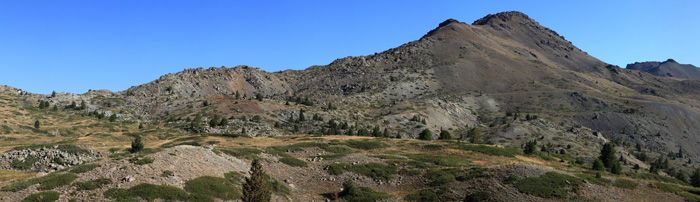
column 680, row 175
column 55, row 108
column 615, row 168
column 113, row 118
column 37, row 124
column 53, row 94
column 140, row 126
column 254, row 188
column 136, row 144
column 386, row 132
column 425, row 135
column 530, row 147
column 301, row 115
column 376, row 132
column 445, row 135
column 598, row 165
column 695, row 178
column 607, row 155
column 474, row 135
column 224, row 122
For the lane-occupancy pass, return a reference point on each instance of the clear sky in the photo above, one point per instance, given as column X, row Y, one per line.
column 73, row 46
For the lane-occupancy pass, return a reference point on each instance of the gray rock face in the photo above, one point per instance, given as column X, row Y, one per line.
column 45, row 159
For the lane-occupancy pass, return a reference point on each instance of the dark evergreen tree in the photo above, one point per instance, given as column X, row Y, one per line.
column 302, row 118
column 425, row 135
column 113, row 118
column 598, row 165
column 53, row 94
column 363, row 132
column 386, row 132
column 445, row 135
column 376, row 132
column 255, row 187
column 530, row 147
column 37, row 124
column 136, row 144
column 607, row 155
column 474, row 135
column 695, row 178
column 680, row 175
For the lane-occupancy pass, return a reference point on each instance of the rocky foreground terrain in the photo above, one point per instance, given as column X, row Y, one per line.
column 503, row 109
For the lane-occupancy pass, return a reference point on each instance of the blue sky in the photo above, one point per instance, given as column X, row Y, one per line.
column 73, row 46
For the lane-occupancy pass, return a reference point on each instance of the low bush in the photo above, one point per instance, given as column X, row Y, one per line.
column 339, row 149
column 56, row 180
column 84, row 168
column 360, row 194
column 26, row 164
column 92, row 184
column 275, row 186
column 593, row 179
column 425, row 195
column 374, row 170
column 214, row 187
column 365, row 145
column 651, row 176
column 45, row 196
column 149, row 192
column 142, row 161
column 440, row 159
column 490, row 150
column 438, row 177
column 551, row 184
column 242, row 152
column 625, row 184
column 478, row 196
column 291, row 161
column 166, row 173
column 689, row 193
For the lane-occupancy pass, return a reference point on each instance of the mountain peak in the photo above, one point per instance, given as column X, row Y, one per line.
column 503, row 17
column 441, row 25
column 670, row 61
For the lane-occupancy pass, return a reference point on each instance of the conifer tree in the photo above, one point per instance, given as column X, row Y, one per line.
column 695, row 178
column 136, row 144
column 254, row 188
column 607, row 155
column 53, row 94
column 445, row 135
column 37, row 124
column 425, row 135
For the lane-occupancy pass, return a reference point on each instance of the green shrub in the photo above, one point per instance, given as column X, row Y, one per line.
column 275, row 186
column 336, row 168
column 213, row 186
column 651, row 176
column 55, row 180
column 594, row 180
column 46, row 196
column 490, row 150
column 26, row 164
column 148, row 192
column 92, row 184
column 68, row 148
column 243, row 152
column 625, row 184
column 291, row 161
column 407, row 172
column 374, row 170
column 339, row 149
column 166, row 173
column 549, row 185
column 689, row 193
column 478, row 196
column 425, row 195
column 84, row 168
column 142, row 161
column 440, row 159
column 360, row 194
column 365, row 145
column 510, row 179
column 439, row 177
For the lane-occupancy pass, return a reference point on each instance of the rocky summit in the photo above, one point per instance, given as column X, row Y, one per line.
column 502, row 109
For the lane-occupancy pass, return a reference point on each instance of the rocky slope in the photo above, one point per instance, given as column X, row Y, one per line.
column 668, row 68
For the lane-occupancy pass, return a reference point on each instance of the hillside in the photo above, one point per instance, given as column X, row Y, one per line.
column 492, row 86
column 668, row 68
